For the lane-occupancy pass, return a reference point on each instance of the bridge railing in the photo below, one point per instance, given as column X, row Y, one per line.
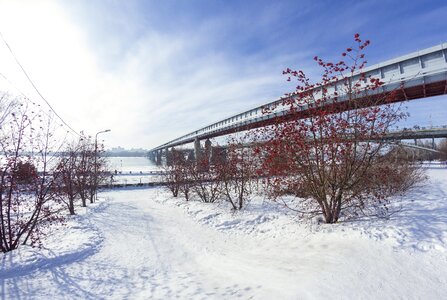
column 417, row 128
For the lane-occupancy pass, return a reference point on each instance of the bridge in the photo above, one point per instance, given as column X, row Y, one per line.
column 413, row 76
column 417, row 133
column 397, row 136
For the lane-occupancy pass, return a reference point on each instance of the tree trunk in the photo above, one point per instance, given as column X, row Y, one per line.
column 337, row 207
column 328, row 217
column 71, row 207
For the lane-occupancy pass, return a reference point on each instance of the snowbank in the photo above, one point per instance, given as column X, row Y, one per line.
column 419, row 223
column 73, row 241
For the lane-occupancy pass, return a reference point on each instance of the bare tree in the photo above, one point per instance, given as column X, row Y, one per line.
column 99, row 169
column 87, row 172
column 66, row 175
column 237, row 172
column 27, row 194
column 83, row 171
column 174, row 172
column 186, row 182
column 204, row 181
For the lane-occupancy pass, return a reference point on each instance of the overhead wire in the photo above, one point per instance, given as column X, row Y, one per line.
column 25, row 97
column 34, row 86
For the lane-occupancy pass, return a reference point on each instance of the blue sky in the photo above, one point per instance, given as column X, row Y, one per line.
column 154, row 70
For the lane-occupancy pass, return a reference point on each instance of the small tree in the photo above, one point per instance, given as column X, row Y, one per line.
column 90, row 168
column 27, row 196
column 204, row 181
column 236, row 173
column 66, row 172
column 174, row 172
column 84, row 169
column 178, row 174
column 79, row 174
column 186, row 182
column 99, row 171
column 333, row 147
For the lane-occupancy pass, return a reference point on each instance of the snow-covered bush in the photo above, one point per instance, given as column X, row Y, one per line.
column 330, row 152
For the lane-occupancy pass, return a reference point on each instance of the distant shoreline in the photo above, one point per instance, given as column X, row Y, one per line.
column 126, row 154
column 105, row 154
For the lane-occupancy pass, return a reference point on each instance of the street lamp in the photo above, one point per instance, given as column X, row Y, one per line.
column 96, row 166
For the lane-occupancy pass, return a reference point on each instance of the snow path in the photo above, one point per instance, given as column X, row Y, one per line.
column 147, row 249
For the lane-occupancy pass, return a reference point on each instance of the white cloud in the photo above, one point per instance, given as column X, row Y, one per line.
column 163, row 86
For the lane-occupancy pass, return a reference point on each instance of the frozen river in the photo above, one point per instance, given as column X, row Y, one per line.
column 131, row 164
column 133, row 170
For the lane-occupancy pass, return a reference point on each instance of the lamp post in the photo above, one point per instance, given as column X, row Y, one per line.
column 96, row 166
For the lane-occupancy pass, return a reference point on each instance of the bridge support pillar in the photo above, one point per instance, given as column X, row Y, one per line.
column 151, row 156
column 218, row 155
column 197, row 150
column 158, row 158
column 190, row 155
column 169, row 155
column 208, row 149
column 207, row 155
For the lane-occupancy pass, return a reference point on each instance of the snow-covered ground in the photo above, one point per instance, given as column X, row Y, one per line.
column 134, row 178
column 142, row 244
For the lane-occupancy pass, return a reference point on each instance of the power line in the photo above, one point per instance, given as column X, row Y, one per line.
column 35, row 88
column 25, row 97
